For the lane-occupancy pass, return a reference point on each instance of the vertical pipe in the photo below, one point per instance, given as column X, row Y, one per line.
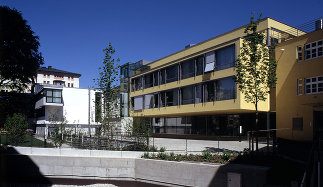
column 268, row 132
column 89, row 110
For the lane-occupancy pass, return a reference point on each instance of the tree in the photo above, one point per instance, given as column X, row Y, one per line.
column 19, row 56
column 16, row 127
column 255, row 67
column 107, row 82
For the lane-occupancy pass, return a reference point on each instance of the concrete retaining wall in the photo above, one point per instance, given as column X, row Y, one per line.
column 105, row 167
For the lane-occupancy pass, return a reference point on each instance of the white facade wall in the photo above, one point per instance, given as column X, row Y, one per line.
column 76, row 106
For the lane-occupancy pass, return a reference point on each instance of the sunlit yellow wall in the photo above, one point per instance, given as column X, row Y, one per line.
column 238, row 105
column 288, row 104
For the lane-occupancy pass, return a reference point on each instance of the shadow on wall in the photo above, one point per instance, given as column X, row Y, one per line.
column 260, row 169
column 20, row 170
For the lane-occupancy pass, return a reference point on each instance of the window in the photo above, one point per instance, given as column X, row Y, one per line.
column 187, row 69
column 209, row 91
column 172, row 97
column 298, row 124
column 209, row 61
column 199, row 63
column 72, row 85
column 199, row 93
column 68, row 84
column 138, row 102
column 53, row 96
column 313, row 50
column 172, row 73
column 162, row 76
column 225, row 89
column 314, row 85
column 156, row 100
column 149, row 101
column 155, row 78
column 162, row 99
column 187, row 94
column 300, row 89
column 225, row 57
column 148, row 80
column 299, row 53
column 44, row 82
column 47, row 82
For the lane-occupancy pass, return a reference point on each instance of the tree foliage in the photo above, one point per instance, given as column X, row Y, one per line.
column 19, row 55
column 107, row 82
column 255, row 67
column 16, row 127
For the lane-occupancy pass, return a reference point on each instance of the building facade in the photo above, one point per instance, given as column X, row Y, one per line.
column 299, row 91
column 54, row 76
column 192, row 92
column 77, row 108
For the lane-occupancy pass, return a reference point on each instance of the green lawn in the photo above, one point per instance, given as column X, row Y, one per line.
column 29, row 141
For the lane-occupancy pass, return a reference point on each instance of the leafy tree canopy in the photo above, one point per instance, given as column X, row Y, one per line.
column 19, row 55
column 255, row 67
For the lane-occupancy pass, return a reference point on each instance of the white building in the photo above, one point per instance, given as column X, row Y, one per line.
column 76, row 107
column 57, row 77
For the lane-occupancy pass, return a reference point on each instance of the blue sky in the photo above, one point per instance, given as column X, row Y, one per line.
column 73, row 33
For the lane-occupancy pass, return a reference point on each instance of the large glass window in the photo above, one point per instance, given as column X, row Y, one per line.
column 138, row 103
column 199, row 63
column 188, row 95
column 225, row 89
column 162, row 76
column 209, row 61
column 148, row 80
column 149, row 101
column 162, row 99
column 53, row 96
column 156, row 78
column 172, row 97
column 225, row 57
column 209, row 91
column 172, row 73
column 187, row 69
column 156, row 105
column 199, row 93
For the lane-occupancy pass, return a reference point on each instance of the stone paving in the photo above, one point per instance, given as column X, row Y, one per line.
column 179, row 145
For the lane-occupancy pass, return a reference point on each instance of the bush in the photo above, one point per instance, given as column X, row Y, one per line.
column 226, row 155
column 162, row 149
column 16, row 127
column 206, row 155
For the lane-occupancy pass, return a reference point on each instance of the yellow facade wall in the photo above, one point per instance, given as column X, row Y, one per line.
column 238, row 105
column 288, row 104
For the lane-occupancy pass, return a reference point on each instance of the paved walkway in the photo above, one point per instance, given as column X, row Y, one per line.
column 179, row 145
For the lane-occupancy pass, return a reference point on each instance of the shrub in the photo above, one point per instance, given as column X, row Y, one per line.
column 162, row 156
column 152, row 148
column 226, row 155
column 16, row 127
column 206, row 154
column 146, row 155
column 162, row 149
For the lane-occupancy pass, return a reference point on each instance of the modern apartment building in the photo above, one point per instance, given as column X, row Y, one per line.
column 192, row 92
column 76, row 107
column 299, row 92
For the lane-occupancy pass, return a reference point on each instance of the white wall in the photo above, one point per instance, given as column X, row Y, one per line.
column 76, row 103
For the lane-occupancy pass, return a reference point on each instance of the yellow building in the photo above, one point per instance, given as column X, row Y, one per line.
column 193, row 92
column 299, row 91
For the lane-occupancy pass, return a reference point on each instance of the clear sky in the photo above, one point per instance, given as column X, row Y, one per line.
column 73, row 33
